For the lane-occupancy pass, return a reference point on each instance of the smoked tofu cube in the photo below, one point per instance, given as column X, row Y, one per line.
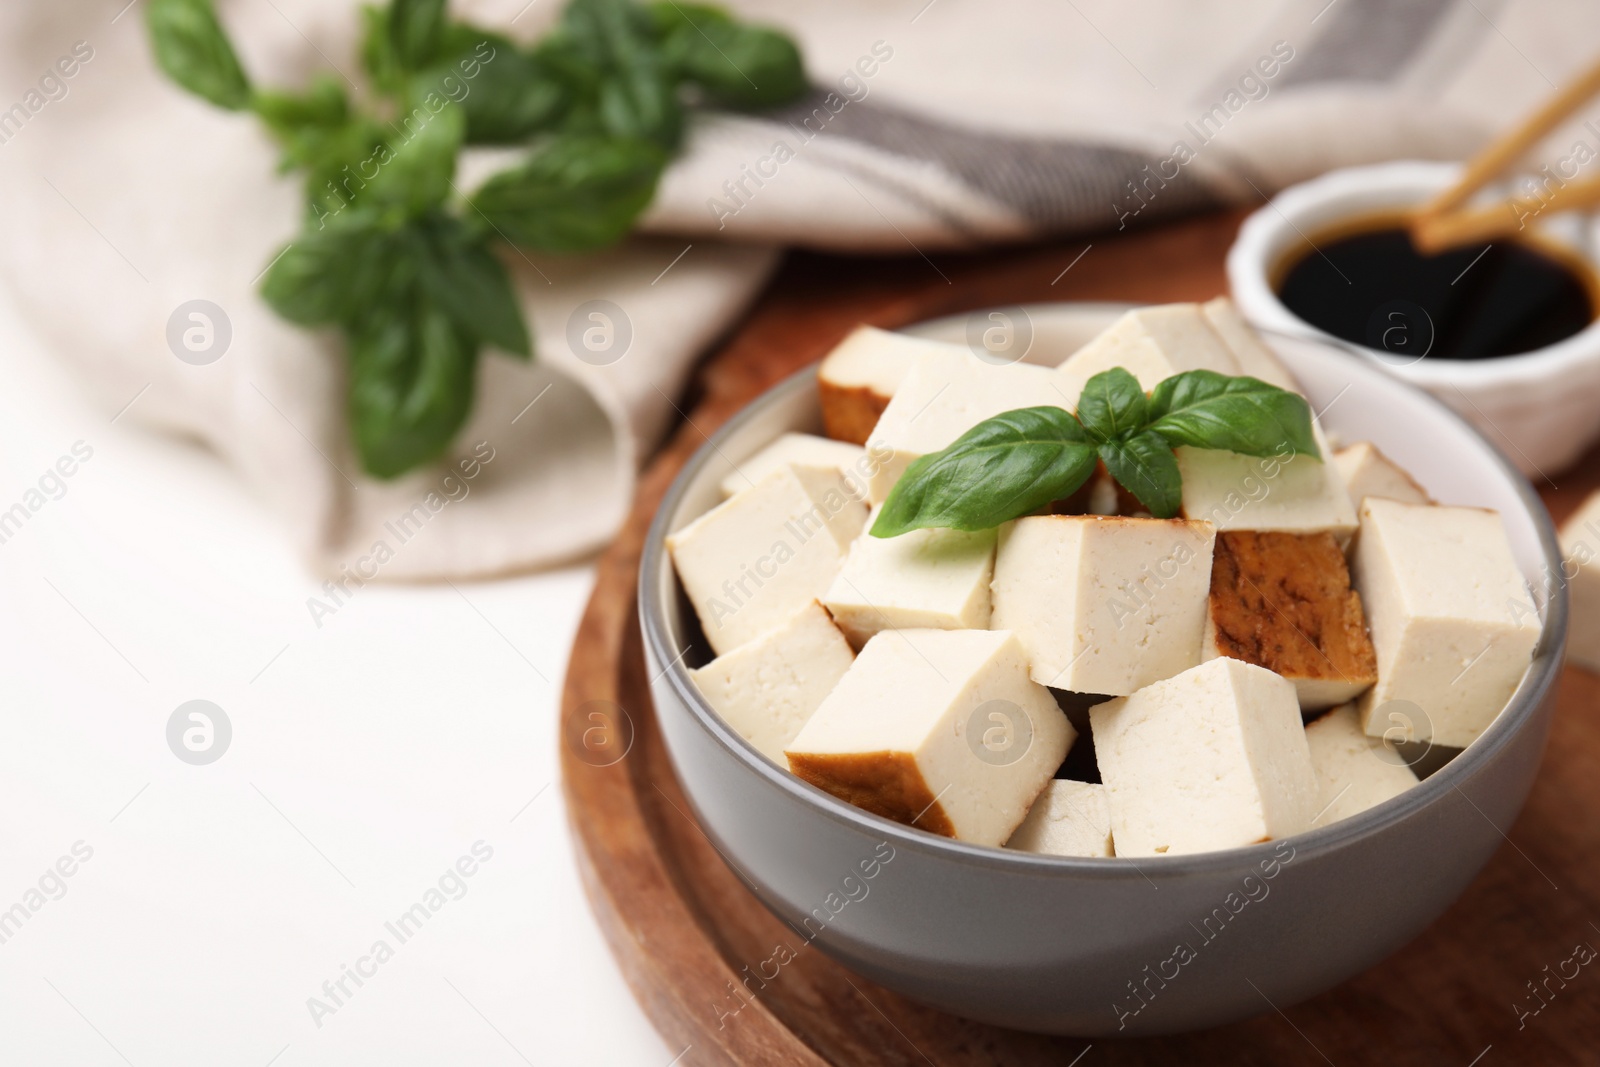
column 1294, row 494
column 1368, row 472
column 1283, row 601
column 859, row 377
column 1450, row 616
column 1580, row 548
column 1354, row 771
column 1069, row 819
column 942, row 399
column 1151, row 344
column 751, row 562
column 1213, row 758
column 805, row 450
column 937, row 729
column 1255, row 359
column 1103, row 605
column 767, row 688
column 926, row 579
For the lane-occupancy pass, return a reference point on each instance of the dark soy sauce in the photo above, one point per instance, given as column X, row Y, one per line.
column 1374, row 288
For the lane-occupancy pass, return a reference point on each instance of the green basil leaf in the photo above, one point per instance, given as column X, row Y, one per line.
column 575, row 194
column 413, row 173
column 378, row 57
column 194, row 50
column 416, row 30
column 1210, row 410
column 634, row 94
column 333, row 275
column 322, row 106
column 608, row 32
column 641, row 104
column 339, row 162
column 315, row 128
column 507, row 93
column 735, row 65
column 1144, row 465
column 1112, row 405
column 1007, row 466
column 573, row 59
column 412, row 373
column 471, row 285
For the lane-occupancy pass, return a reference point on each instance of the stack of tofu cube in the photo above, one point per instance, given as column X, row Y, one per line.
column 1263, row 654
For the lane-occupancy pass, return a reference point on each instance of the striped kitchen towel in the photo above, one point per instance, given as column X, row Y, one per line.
column 933, row 124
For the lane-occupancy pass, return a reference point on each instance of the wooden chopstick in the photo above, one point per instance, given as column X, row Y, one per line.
column 1438, row 233
column 1504, row 151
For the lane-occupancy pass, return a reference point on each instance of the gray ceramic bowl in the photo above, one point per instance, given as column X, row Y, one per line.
column 1092, row 946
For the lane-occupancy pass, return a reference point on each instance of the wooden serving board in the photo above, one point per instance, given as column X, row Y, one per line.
column 683, row 926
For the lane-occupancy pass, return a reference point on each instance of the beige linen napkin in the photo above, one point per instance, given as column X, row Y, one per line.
column 934, row 124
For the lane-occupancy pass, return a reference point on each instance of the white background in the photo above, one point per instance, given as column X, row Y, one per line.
column 367, row 756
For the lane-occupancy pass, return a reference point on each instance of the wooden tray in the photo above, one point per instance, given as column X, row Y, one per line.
column 683, row 926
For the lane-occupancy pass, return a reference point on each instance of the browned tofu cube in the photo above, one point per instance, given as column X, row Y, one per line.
column 859, row 377
column 1283, row 601
column 849, row 412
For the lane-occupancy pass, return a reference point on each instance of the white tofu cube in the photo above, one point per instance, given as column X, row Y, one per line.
column 1580, row 547
column 941, row 399
column 926, row 579
column 751, row 562
column 1214, row 758
column 1448, row 610
column 1255, row 359
column 1104, row 605
column 1151, row 343
column 767, row 688
column 1069, row 819
column 1299, row 494
column 805, row 450
column 860, row 376
column 1368, row 472
column 1354, row 771
column 937, row 729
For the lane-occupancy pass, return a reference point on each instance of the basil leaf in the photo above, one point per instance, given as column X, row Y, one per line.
column 288, row 115
column 735, row 65
column 472, row 286
column 1210, row 410
column 411, row 383
column 507, row 93
column 610, row 32
column 339, row 161
column 635, row 96
column 378, row 57
column 194, row 50
column 1144, row 465
column 314, row 127
column 415, row 29
column 1003, row 467
column 329, row 276
column 414, row 172
column 576, row 194
column 1112, row 404
column 572, row 59
column 641, row 104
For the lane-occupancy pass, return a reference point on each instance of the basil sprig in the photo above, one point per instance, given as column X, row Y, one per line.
column 1019, row 461
column 390, row 254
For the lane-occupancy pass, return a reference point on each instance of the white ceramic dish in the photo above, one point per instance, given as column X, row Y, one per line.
column 1054, row 943
column 1539, row 408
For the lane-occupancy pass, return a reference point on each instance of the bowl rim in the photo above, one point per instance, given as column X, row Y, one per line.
column 1543, row 672
column 1249, row 264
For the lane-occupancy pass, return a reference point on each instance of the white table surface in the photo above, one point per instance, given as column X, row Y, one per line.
column 367, row 756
